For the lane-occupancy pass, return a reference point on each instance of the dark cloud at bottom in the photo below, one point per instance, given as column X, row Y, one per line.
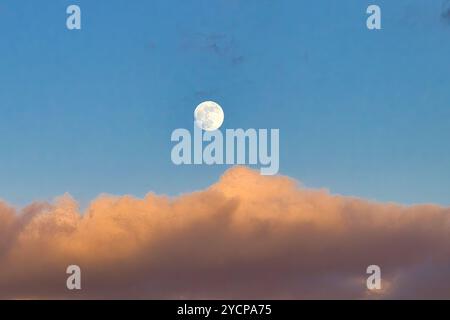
column 247, row 236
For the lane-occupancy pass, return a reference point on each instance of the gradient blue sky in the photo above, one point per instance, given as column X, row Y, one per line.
column 87, row 112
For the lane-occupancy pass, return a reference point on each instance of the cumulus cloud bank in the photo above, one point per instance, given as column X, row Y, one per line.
column 247, row 236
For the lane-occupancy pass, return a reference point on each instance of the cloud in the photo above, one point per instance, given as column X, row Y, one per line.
column 247, row 236
column 218, row 44
column 445, row 14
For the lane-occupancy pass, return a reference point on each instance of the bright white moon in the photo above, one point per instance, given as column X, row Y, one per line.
column 209, row 116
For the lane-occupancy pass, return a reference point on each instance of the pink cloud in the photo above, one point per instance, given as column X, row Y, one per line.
column 247, row 236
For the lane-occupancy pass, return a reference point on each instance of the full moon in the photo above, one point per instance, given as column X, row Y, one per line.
column 209, row 116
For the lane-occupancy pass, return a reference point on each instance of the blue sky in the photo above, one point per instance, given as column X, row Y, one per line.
column 363, row 113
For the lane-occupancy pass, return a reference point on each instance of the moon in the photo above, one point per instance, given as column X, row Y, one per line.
column 209, row 116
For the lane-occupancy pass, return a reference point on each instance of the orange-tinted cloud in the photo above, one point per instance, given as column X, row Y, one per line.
column 248, row 236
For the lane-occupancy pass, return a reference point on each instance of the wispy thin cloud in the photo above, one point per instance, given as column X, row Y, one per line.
column 445, row 14
column 218, row 44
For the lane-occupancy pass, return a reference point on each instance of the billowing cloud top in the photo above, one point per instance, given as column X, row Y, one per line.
column 248, row 236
